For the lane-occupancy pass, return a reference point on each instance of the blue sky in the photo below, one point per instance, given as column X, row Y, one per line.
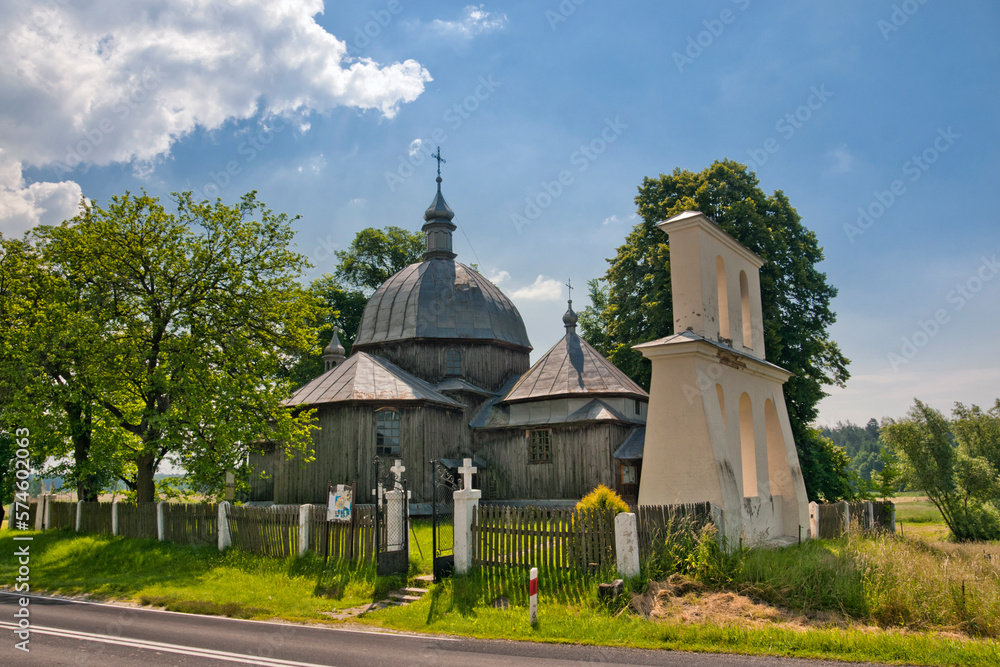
column 879, row 120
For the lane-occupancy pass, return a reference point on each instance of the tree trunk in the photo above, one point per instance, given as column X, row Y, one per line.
column 81, row 425
column 145, row 489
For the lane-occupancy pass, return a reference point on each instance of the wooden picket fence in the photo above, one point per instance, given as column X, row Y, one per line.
column 269, row 531
column 95, row 517
column 656, row 523
column 62, row 514
column 344, row 541
column 550, row 539
column 137, row 520
column 190, row 523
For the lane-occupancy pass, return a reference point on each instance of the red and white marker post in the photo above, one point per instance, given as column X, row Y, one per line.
column 533, row 594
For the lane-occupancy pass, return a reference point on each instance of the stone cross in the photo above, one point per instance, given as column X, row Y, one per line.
column 398, row 471
column 467, row 470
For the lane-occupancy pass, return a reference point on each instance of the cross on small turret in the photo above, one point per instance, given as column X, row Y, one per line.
column 437, row 156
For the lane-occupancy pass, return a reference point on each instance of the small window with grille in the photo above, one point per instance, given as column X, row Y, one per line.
column 453, row 362
column 540, row 446
column 387, row 433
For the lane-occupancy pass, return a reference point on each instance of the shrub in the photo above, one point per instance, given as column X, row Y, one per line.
column 603, row 498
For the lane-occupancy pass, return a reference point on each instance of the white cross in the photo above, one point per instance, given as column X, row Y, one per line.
column 398, row 471
column 467, row 470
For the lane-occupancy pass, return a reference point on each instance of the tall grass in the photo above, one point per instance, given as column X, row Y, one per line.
column 876, row 579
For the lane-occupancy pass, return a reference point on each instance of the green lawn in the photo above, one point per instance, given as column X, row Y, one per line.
column 888, row 593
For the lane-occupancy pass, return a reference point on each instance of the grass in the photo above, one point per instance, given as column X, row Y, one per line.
column 868, row 599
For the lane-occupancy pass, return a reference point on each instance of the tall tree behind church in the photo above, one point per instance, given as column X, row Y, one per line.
column 632, row 302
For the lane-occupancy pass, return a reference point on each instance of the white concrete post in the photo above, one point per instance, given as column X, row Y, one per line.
column 225, row 540
column 465, row 501
column 305, row 516
column 161, row 522
column 79, row 514
column 114, row 518
column 48, row 515
column 627, row 544
column 39, row 513
column 814, row 520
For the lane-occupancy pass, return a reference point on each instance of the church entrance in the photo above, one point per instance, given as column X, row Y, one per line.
column 392, row 520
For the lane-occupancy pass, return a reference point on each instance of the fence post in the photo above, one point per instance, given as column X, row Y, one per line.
column 225, row 540
column 79, row 514
column 814, row 520
column 305, row 523
column 160, row 522
column 114, row 518
column 48, row 516
column 39, row 513
column 869, row 515
column 533, row 594
column 464, row 500
column 845, row 515
column 627, row 544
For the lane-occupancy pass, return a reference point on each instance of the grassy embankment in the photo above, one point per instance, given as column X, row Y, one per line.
column 878, row 599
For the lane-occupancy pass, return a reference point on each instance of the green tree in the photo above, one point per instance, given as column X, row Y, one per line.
column 180, row 322
column 375, row 255
column 342, row 307
column 632, row 302
column 954, row 463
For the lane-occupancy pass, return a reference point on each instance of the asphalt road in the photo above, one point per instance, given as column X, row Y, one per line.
column 68, row 632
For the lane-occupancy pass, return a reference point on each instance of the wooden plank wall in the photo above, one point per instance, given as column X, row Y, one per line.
column 486, row 365
column 95, row 518
column 63, row 514
column 344, row 541
column 190, row 523
column 137, row 520
column 657, row 523
column 344, row 448
column 582, row 458
column 269, row 531
column 550, row 539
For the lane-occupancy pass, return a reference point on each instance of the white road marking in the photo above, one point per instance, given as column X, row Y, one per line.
column 169, row 648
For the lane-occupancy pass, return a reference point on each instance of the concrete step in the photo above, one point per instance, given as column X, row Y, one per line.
column 424, row 578
column 403, row 597
column 416, row 591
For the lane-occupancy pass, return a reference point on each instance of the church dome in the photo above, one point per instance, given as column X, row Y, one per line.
column 443, row 299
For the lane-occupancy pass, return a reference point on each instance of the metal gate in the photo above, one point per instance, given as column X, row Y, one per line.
column 392, row 519
column 443, row 485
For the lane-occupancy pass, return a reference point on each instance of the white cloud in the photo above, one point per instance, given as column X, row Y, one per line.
column 112, row 81
column 496, row 277
column 24, row 206
column 415, row 147
column 474, row 21
column 842, row 160
column 617, row 220
column 543, row 289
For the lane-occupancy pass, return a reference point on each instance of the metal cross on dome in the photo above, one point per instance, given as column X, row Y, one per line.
column 437, row 156
column 569, row 284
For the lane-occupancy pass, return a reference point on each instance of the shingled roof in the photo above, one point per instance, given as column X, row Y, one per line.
column 364, row 377
column 573, row 368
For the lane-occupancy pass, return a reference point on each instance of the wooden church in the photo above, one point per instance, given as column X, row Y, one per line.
column 440, row 370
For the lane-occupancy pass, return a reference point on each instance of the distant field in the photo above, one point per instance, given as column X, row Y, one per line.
column 914, row 508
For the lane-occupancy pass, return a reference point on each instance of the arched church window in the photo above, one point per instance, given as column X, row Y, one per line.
column 387, row 433
column 453, row 362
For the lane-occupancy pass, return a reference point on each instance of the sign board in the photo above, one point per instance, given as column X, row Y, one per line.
column 339, row 506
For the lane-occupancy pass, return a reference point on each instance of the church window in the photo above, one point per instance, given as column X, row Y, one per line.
column 638, row 406
column 453, row 362
column 540, row 446
column 387, row 433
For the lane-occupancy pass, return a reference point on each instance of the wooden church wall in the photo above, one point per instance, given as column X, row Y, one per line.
column 582, row 458
column 485, row 365
column 344, row 450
